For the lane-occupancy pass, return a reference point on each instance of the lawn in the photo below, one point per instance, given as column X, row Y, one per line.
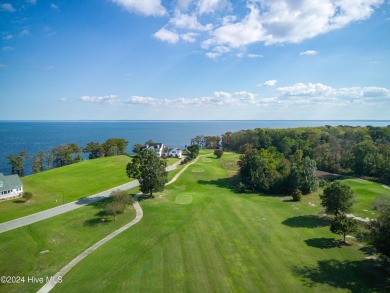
column 366, row 192
column 200, row 236
column 67, row 184
column 43, row 248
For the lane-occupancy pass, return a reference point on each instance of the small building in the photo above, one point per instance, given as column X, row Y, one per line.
column 174, row 153
column 10, row 186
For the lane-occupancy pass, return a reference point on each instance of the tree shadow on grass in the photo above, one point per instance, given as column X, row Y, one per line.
column 227, row 183
column 323, row 243
column 19, row 201
column 357, row 276
column 97, row 221
column 100, row 218
column 307, row 221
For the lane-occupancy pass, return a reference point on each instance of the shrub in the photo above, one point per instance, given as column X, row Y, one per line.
column 218, row 153
column 241, row 187
column 296, row 195
column 114, row 208
column 121, row 196
column 27, row 196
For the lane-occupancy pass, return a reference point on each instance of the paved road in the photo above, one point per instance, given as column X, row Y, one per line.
column 24, row 221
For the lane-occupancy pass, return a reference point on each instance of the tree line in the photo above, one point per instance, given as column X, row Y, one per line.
column 67, row 154
column 347, row 150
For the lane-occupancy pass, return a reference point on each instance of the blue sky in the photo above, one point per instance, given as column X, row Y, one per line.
column 183, row 59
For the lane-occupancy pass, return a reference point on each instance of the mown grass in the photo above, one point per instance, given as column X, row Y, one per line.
column 41, row 249
column 67, row 184
column 366, row 192
column 200, row 236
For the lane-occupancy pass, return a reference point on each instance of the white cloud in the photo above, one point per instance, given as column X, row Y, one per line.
column 146, row 7
column 7, row 7
column 300, row 94
column 167, row 36
column 189, row 37
column 322, row 94
column 308, row 53
column 288, row 21
column 255, row 56
column 8, row 37
column 25, row 32
column 239, row 34
column 213, row 55
column 219, row 98
column 140, row 100
column 271, row 82
column 54, row 6
column 33, row 2
column 211, row 6
column 190, row 22
column 183, row 4
column 110, row 99
column 7, row 49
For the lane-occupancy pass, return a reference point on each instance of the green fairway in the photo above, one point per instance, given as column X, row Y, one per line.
column 67, row 184
column 200, row 236
column 366, row 192
column 41, row 249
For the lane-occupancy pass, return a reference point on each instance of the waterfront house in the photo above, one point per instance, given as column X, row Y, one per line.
column 10, row 186
column 174, row 153
column 157, row 147
column 163, row 151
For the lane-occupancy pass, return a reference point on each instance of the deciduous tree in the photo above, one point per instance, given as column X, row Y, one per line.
column 149, row 170
column 380, row 230
column 337, row 198
column 343, row 225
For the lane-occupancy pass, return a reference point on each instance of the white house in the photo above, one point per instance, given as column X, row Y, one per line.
column 158, row 148
column 162, row 151
column 10, row 186
column 174, row 153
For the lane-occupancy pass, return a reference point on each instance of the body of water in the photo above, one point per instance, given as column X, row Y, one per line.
column 35, row 136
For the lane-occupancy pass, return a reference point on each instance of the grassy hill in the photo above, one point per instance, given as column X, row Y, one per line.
column 68, row 183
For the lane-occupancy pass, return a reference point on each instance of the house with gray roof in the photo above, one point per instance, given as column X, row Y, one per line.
column 10, row 186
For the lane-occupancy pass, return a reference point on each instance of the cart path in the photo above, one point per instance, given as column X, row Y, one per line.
column 59, row 276
column 43, row 215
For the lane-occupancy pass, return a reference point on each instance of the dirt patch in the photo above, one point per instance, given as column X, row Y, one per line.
column 325, row 175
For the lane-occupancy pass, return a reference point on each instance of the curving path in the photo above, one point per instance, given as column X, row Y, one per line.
column 50, row 285
column 30, row 219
